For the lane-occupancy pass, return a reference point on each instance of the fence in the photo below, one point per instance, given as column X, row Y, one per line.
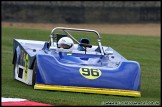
column 82, row 11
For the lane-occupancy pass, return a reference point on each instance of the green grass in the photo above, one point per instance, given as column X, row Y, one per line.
column 145, row 50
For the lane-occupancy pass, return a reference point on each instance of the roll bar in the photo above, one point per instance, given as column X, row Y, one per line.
column 76, row 29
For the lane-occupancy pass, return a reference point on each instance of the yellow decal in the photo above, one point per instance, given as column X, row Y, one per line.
column 26, row 67
column 90, row 73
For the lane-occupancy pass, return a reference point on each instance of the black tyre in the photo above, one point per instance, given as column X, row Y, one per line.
column 34, row 73
column 15, row 65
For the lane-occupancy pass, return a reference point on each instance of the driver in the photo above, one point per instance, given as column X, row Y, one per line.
column 65, row 44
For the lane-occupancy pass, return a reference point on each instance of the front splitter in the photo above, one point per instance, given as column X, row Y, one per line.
column 89, row 90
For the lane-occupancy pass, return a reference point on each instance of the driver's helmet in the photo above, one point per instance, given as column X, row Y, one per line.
column 65, row 44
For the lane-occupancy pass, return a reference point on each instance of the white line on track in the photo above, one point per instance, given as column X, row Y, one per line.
column 12, row 99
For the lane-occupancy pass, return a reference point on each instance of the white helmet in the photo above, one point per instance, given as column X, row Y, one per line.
column 65, row 44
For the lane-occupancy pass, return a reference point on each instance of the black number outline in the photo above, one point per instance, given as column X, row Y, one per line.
column 90, row 72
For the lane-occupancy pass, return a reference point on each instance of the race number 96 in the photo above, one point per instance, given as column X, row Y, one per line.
column 90, row 73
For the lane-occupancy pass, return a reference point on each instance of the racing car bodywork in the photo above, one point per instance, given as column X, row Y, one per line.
column 88, row 68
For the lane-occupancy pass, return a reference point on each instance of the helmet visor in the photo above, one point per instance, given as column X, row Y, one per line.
column 65, row 46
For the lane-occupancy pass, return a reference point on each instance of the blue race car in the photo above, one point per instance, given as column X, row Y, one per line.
column 68, row 62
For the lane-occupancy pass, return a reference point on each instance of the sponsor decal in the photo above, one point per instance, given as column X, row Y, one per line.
column 26, row 66
column 24, row 61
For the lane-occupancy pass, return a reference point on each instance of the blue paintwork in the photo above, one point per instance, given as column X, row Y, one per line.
column 56, row 70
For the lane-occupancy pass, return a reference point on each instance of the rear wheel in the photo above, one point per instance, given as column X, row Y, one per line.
column 34, row 73
column 15, row 66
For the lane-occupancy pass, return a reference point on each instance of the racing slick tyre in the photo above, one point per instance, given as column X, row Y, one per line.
column 15, row 66
column 34, row 73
